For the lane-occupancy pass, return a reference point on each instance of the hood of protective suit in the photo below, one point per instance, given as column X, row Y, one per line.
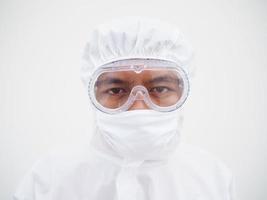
column 136, row 135
column 135, row 37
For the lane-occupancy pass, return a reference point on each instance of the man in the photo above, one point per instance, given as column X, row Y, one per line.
column 138, row 77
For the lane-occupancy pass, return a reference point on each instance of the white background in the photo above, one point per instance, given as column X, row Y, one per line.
column 43, row 104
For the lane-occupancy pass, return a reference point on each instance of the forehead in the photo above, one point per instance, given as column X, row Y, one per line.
column 144, row 75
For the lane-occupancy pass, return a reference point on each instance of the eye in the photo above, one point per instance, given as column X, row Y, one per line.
column 116, row 91
column 159, row 90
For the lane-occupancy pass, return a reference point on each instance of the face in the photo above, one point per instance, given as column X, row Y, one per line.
column 163, row 87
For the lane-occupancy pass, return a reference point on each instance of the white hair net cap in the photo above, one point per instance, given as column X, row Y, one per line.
column 134, row 37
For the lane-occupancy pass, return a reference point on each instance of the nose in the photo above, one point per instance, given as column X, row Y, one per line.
column 139, row 105
column 139, row 93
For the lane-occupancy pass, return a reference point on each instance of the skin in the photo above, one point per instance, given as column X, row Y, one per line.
column 114, row 87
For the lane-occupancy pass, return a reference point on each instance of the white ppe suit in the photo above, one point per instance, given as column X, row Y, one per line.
column 162, row 167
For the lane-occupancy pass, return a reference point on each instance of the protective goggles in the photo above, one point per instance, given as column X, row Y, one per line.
column 161, row 84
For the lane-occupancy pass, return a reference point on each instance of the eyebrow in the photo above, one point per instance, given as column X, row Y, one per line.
column 108, row 81
column 165, row 78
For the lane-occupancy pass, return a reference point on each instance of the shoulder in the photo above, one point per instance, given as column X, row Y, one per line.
column 51, row 167
column 63, row 159
column 203, row 164
column 203, row 172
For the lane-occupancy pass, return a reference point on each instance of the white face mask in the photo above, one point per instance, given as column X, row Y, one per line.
column 141, row 134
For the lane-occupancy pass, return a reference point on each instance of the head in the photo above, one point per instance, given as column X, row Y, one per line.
column 141, row 39
column 137, row 75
